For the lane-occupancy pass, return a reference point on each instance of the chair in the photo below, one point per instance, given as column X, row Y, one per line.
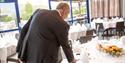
column 120, row 28
column 13, row 58
column 109, row 32
column 89, row 32
column 17, row 36
column 99, row 28
column 88, row 37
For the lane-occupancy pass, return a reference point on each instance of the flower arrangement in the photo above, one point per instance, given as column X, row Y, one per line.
column 112, row 50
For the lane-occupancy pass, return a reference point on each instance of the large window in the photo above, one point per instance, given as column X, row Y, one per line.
column 8, row 18
column 9, row 22
column 8, row 15
column 27, row 7
column 78, row 12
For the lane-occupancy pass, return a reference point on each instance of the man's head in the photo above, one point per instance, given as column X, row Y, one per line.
column 64, row 9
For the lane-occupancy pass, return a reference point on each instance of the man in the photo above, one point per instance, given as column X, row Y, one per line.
column 48, row 31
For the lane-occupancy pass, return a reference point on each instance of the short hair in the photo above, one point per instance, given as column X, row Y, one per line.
column 62, row 5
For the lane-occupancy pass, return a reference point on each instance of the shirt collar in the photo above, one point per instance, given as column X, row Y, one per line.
column 58, row 12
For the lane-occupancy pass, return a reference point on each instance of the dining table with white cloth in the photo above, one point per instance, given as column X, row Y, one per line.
column 96, row 56
column 7, row 48
column 106, row 23
column 90, row 54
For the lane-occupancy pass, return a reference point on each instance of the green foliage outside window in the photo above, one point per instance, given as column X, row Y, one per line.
column 1, row 0
column 6, row 19
column 80, row 11
column 27, row 11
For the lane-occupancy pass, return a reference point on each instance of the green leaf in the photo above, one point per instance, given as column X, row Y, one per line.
column 1, row 1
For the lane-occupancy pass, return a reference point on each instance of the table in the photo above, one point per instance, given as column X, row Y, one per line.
column 7, row 47
column 106, row 24
column 6, row 51
column 90, row 54
column 95, row 56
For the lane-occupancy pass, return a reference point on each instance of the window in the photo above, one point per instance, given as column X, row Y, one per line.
column 8, row 18
column 27, row 7
column 78, row 10
column 8, row 14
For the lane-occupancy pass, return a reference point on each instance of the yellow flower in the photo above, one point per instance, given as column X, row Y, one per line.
column 112, row 50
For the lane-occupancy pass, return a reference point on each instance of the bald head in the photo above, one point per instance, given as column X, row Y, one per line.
column 63, row 9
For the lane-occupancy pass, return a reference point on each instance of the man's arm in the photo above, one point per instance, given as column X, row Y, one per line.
column 61, row 32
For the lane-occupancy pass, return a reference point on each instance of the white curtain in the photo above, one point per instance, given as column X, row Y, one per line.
column 94, row 8
column 123, row 8
column 111, row 7
column 100, row 8
column 107, row 8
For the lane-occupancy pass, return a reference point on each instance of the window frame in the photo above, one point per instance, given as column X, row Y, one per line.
column 17, row 15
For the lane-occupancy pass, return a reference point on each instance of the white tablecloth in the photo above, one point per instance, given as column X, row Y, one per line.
column 7, row 47
column 90, row 54
column 106, row 24
column 6, row 51
column 95, row 56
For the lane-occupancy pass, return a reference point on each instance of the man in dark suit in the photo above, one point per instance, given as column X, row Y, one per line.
column 48, row 31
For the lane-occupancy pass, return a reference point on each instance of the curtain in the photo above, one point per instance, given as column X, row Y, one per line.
column 117, row 8
column 107, row 8
column 123, row 8
column 100, row 8
column 94, row 8
column 111, row 7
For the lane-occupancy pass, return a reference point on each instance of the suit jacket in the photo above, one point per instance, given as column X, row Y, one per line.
column 48, row 32
column 23, row 33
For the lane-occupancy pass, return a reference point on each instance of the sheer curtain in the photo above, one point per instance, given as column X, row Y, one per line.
column 107, row 8
column 122, row 4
